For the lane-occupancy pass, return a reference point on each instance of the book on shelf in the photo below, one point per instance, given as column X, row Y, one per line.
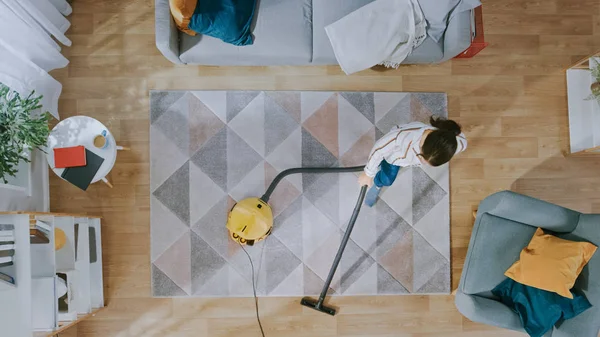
column 5, row 253
column 7, row 240
column 6, row 247
column 7, row 278
column 46, row 228
column 6, row 261
column 38, row 236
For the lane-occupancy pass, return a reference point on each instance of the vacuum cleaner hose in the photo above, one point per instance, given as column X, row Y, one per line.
column 287, row 172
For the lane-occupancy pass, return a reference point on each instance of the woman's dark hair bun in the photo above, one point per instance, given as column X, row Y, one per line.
column 444, row 124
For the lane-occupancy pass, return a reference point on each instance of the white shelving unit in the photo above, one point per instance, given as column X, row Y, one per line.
column 30, row 307
column 584, row 114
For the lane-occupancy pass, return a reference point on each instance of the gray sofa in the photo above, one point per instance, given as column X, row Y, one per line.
column 292, row 32
column 504, row 225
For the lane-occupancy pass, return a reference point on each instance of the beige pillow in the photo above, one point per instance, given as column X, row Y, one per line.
column 182, row 11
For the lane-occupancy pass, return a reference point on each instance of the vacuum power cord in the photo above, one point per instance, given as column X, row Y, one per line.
column 254, row 290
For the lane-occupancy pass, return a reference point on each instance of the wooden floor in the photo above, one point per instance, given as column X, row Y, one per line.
column 510, row 99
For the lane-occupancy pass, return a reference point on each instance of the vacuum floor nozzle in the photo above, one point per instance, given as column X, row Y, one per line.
column 317, row 305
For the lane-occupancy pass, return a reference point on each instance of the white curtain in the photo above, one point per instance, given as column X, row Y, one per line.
column 28, row 50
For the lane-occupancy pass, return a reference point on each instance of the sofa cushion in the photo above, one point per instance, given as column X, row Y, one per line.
column 326, row 12
column 227, row 20
column 495, row 245
column 282, row 36
column 182, row 11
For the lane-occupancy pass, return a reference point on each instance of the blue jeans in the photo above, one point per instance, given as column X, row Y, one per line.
column 386, row 175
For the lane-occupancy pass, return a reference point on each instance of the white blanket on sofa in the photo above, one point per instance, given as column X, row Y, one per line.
column 381, row 32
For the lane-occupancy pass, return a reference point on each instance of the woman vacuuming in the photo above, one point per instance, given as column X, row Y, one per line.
column 412, row 144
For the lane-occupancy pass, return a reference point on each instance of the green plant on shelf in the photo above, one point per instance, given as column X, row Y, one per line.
column 595, row 87
column 22, row 128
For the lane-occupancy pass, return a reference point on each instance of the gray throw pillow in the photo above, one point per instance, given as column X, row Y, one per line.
column 438, row 12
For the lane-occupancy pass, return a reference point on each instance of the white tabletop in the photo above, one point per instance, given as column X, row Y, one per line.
column 81, row 130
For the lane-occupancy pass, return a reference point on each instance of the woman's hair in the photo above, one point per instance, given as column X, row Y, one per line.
column 440, row 145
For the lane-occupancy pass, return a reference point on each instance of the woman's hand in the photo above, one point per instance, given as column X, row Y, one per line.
column 364, row 179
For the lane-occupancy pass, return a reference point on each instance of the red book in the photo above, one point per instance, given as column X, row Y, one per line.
column 69, row 156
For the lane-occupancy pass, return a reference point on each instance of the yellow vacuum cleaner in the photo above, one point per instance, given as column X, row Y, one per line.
column 251, row 220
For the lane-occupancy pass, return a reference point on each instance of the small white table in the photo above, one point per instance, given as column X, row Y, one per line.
column 81, row 130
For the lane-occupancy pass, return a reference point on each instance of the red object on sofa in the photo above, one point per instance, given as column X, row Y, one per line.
column 478, row 43
column 69, row 156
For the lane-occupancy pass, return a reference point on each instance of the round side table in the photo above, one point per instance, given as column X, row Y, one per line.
column 81, row 130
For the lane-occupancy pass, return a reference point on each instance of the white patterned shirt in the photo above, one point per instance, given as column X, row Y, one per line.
column 401, row 147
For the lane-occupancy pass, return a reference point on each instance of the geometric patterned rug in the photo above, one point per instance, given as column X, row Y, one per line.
column 210, row 149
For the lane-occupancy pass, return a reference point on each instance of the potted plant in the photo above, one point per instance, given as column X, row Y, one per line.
column 595, row 87
column 22, row 128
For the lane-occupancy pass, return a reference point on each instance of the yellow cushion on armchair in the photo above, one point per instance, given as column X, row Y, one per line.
column 550, row 263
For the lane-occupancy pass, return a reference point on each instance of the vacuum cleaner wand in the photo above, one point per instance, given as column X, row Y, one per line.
column 287, row 172
column 318, row 304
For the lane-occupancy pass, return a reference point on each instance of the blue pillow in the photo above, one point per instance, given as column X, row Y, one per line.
column 228, row 20
column 538, row 309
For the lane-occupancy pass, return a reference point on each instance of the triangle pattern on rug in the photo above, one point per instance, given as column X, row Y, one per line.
column 419, row 112
column 435, row 102
column 238, row 285
column 323, row 125
column 434, row 227
column 427, row 261
column 215, row 101
column 175, row 263
column 438, row 283
column 252, row 185
column 249, row 124
column 354, row 263
column 287, row 227
column 386, row 284
column 310, row 101
column 288, row 154
column 217, row 285
column 398, row 115
column 204, row 193
column 314, row 237
column 203, row 124
column 321, row 258
column 212, row 158
column 174, row 123
column 283, row 195
column 385, row 101
column 211, row 228
column 236, row 101
column 292, row 285
column 366, row 283
column 166, row 158
column 363, row 102
column 205, row 262
column 277, row 125
column 324, row 194
column 160, row 101
column 163, row 286
column 279, row 262
column 313, row 284
column 314, row 154
column 426, row 194
column 399, row 196
column 391, row 228
column 244, row 157
column 359, row 152
column 352, row 125
column 289, row 101
column 399, row 262
column 174, row 193
column 165, row 228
